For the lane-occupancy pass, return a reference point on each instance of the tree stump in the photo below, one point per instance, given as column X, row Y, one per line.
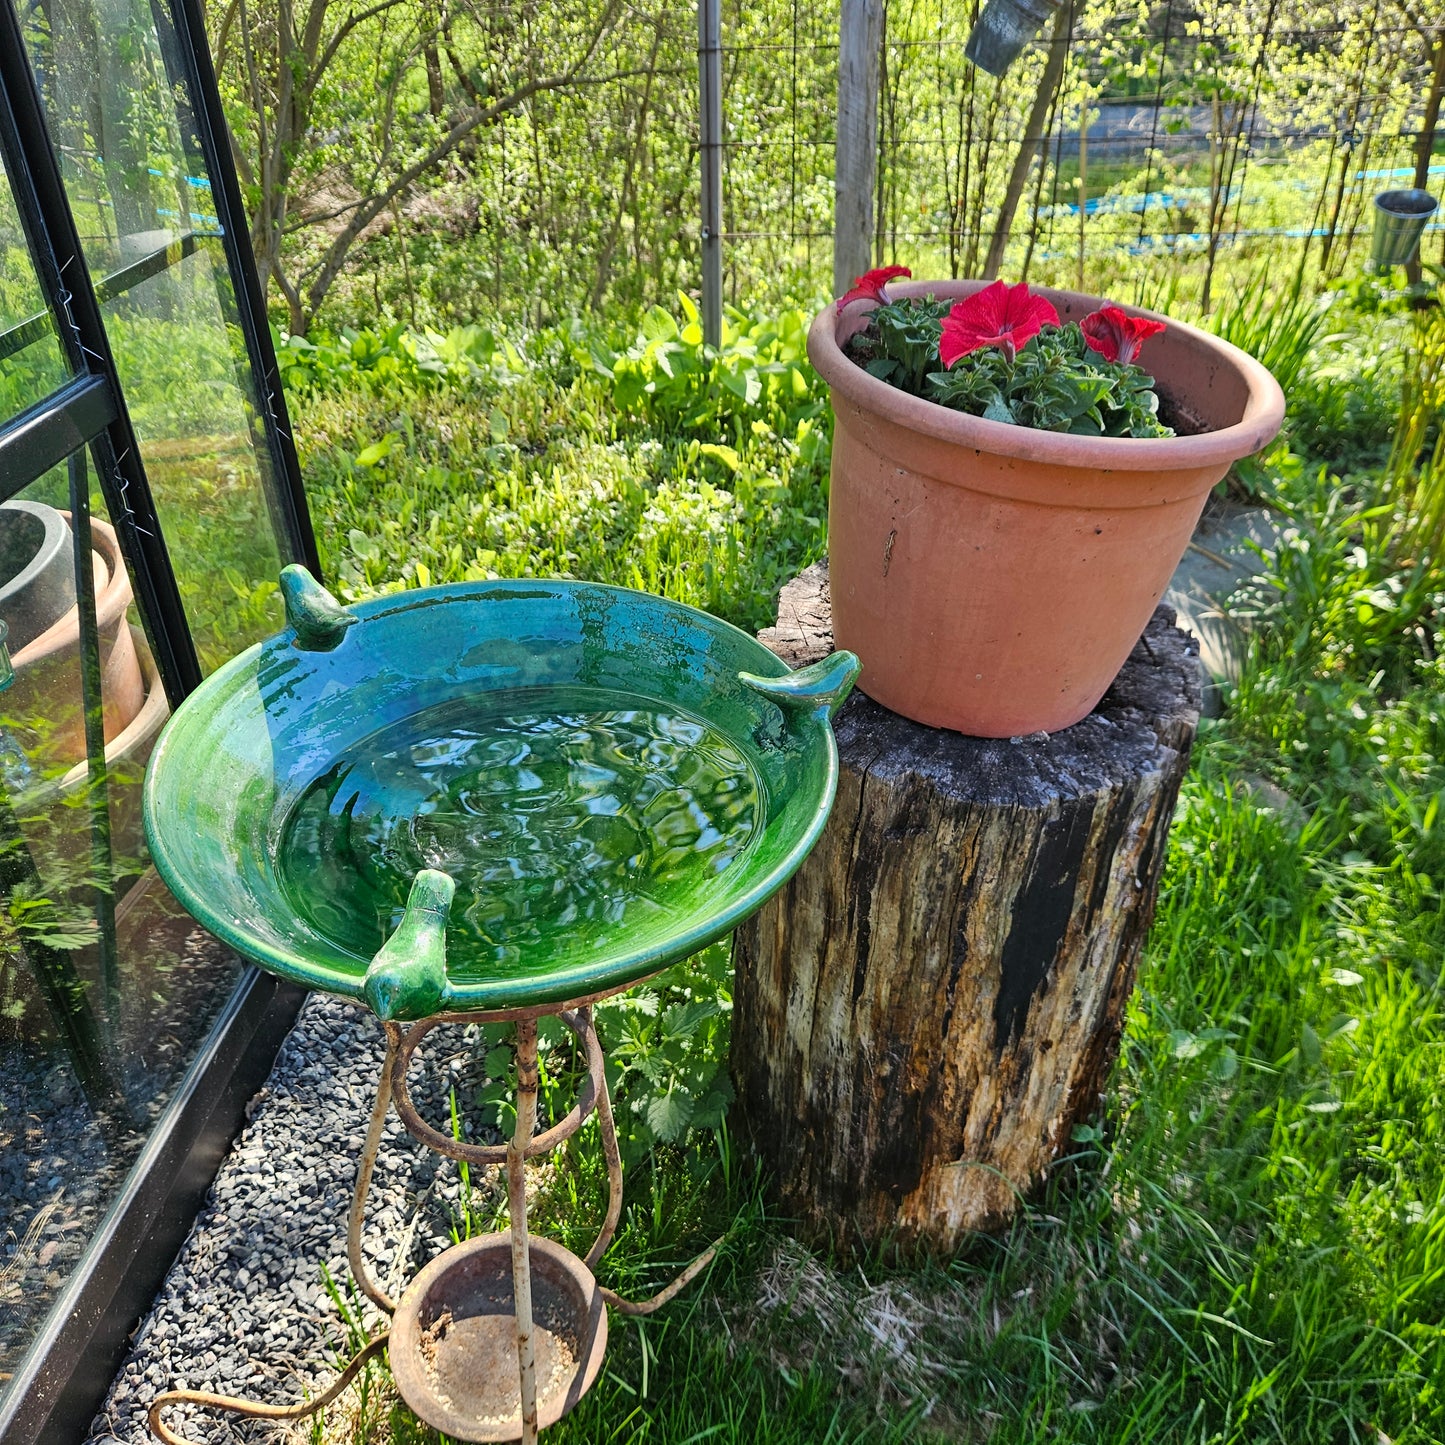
column 934, row 1002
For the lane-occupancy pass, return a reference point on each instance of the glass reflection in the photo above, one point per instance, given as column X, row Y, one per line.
column 114, row 122
column 106, row 985
column 119, row 115
column 177, row 362
column 31, row 362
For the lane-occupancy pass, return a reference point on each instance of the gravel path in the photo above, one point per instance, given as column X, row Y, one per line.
column 58, row 1169
column 245, row 1309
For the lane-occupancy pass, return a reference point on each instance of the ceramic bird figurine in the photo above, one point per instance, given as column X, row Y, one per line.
column 825, row 684
column 406, row 978
column 317, row 618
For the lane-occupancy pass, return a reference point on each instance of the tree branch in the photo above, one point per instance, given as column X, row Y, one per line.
column 324, row 60
column 223, row 34
column 1034, row 135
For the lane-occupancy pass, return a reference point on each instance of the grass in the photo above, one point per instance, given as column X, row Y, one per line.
column 1249, row 1244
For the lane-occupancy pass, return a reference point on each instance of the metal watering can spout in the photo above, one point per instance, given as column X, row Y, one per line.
column 1003, row 29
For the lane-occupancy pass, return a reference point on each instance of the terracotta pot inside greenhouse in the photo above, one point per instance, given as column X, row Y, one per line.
column 52, row 815
column 46, row 697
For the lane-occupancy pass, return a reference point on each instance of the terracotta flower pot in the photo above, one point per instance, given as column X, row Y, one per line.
column 59, row 834
column 46, row 694
column 992, row 578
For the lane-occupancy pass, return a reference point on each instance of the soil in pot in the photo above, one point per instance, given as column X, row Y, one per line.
column 1179, row 416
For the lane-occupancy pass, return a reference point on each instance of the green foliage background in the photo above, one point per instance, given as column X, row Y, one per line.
column 1248, row 1245
column 1254, row 123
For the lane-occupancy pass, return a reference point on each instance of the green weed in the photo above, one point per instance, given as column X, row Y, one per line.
column 605, row 466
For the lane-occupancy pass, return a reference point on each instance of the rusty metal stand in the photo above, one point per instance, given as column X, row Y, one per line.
column 525, row 1143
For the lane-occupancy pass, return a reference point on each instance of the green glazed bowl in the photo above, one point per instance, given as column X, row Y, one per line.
column 490, row 796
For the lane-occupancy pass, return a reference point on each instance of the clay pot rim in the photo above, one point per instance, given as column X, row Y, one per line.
column 112, row 596
column 1261, row 421
column 153, row 713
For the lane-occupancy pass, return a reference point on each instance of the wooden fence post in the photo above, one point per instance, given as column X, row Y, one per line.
column 856, row 158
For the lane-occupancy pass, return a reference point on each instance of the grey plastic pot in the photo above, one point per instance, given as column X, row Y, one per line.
column 1002, row 31
column 37, row 569
column 1400, row 221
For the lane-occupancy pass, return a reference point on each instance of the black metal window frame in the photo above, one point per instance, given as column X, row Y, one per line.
column 77, row 414
column 37, row 327
column 64, row 1377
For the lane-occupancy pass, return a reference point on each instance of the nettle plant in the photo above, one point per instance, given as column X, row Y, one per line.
column 1003, row 354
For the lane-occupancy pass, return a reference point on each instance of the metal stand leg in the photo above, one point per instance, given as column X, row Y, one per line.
column 392, row 1090
column 359, row 1272
column 613, row 1155
column 594, row 1096
column 254, row 1409
column 608, row 1129
column 517, row 1203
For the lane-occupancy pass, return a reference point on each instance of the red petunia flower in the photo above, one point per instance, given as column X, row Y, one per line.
column 869, row 286
column 1116, row 335
column 1000, row 315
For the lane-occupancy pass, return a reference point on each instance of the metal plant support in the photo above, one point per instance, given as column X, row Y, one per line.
column 710, row 155
column 417, row 1367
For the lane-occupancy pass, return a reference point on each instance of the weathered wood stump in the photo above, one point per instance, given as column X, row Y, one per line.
column 926, row 1011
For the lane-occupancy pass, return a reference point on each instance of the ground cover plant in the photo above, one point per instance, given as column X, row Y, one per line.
column 1249, row 1243
column 655, row 464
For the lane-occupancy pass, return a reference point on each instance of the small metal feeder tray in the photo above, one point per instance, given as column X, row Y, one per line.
column 454, row 1338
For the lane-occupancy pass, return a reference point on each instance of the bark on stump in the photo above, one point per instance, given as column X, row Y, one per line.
column 926, row 1011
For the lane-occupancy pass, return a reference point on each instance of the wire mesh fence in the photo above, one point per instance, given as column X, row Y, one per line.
column 1175, row 137
column 1167, row 142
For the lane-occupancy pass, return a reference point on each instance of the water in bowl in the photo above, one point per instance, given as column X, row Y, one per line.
column 569, row 818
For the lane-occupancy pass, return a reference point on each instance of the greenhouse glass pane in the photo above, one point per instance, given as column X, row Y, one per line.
column 106, row 986
column 175, row 357
column 119, row 116
column 31, row 362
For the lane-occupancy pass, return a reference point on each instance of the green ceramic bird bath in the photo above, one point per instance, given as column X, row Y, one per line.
column 490, row 796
